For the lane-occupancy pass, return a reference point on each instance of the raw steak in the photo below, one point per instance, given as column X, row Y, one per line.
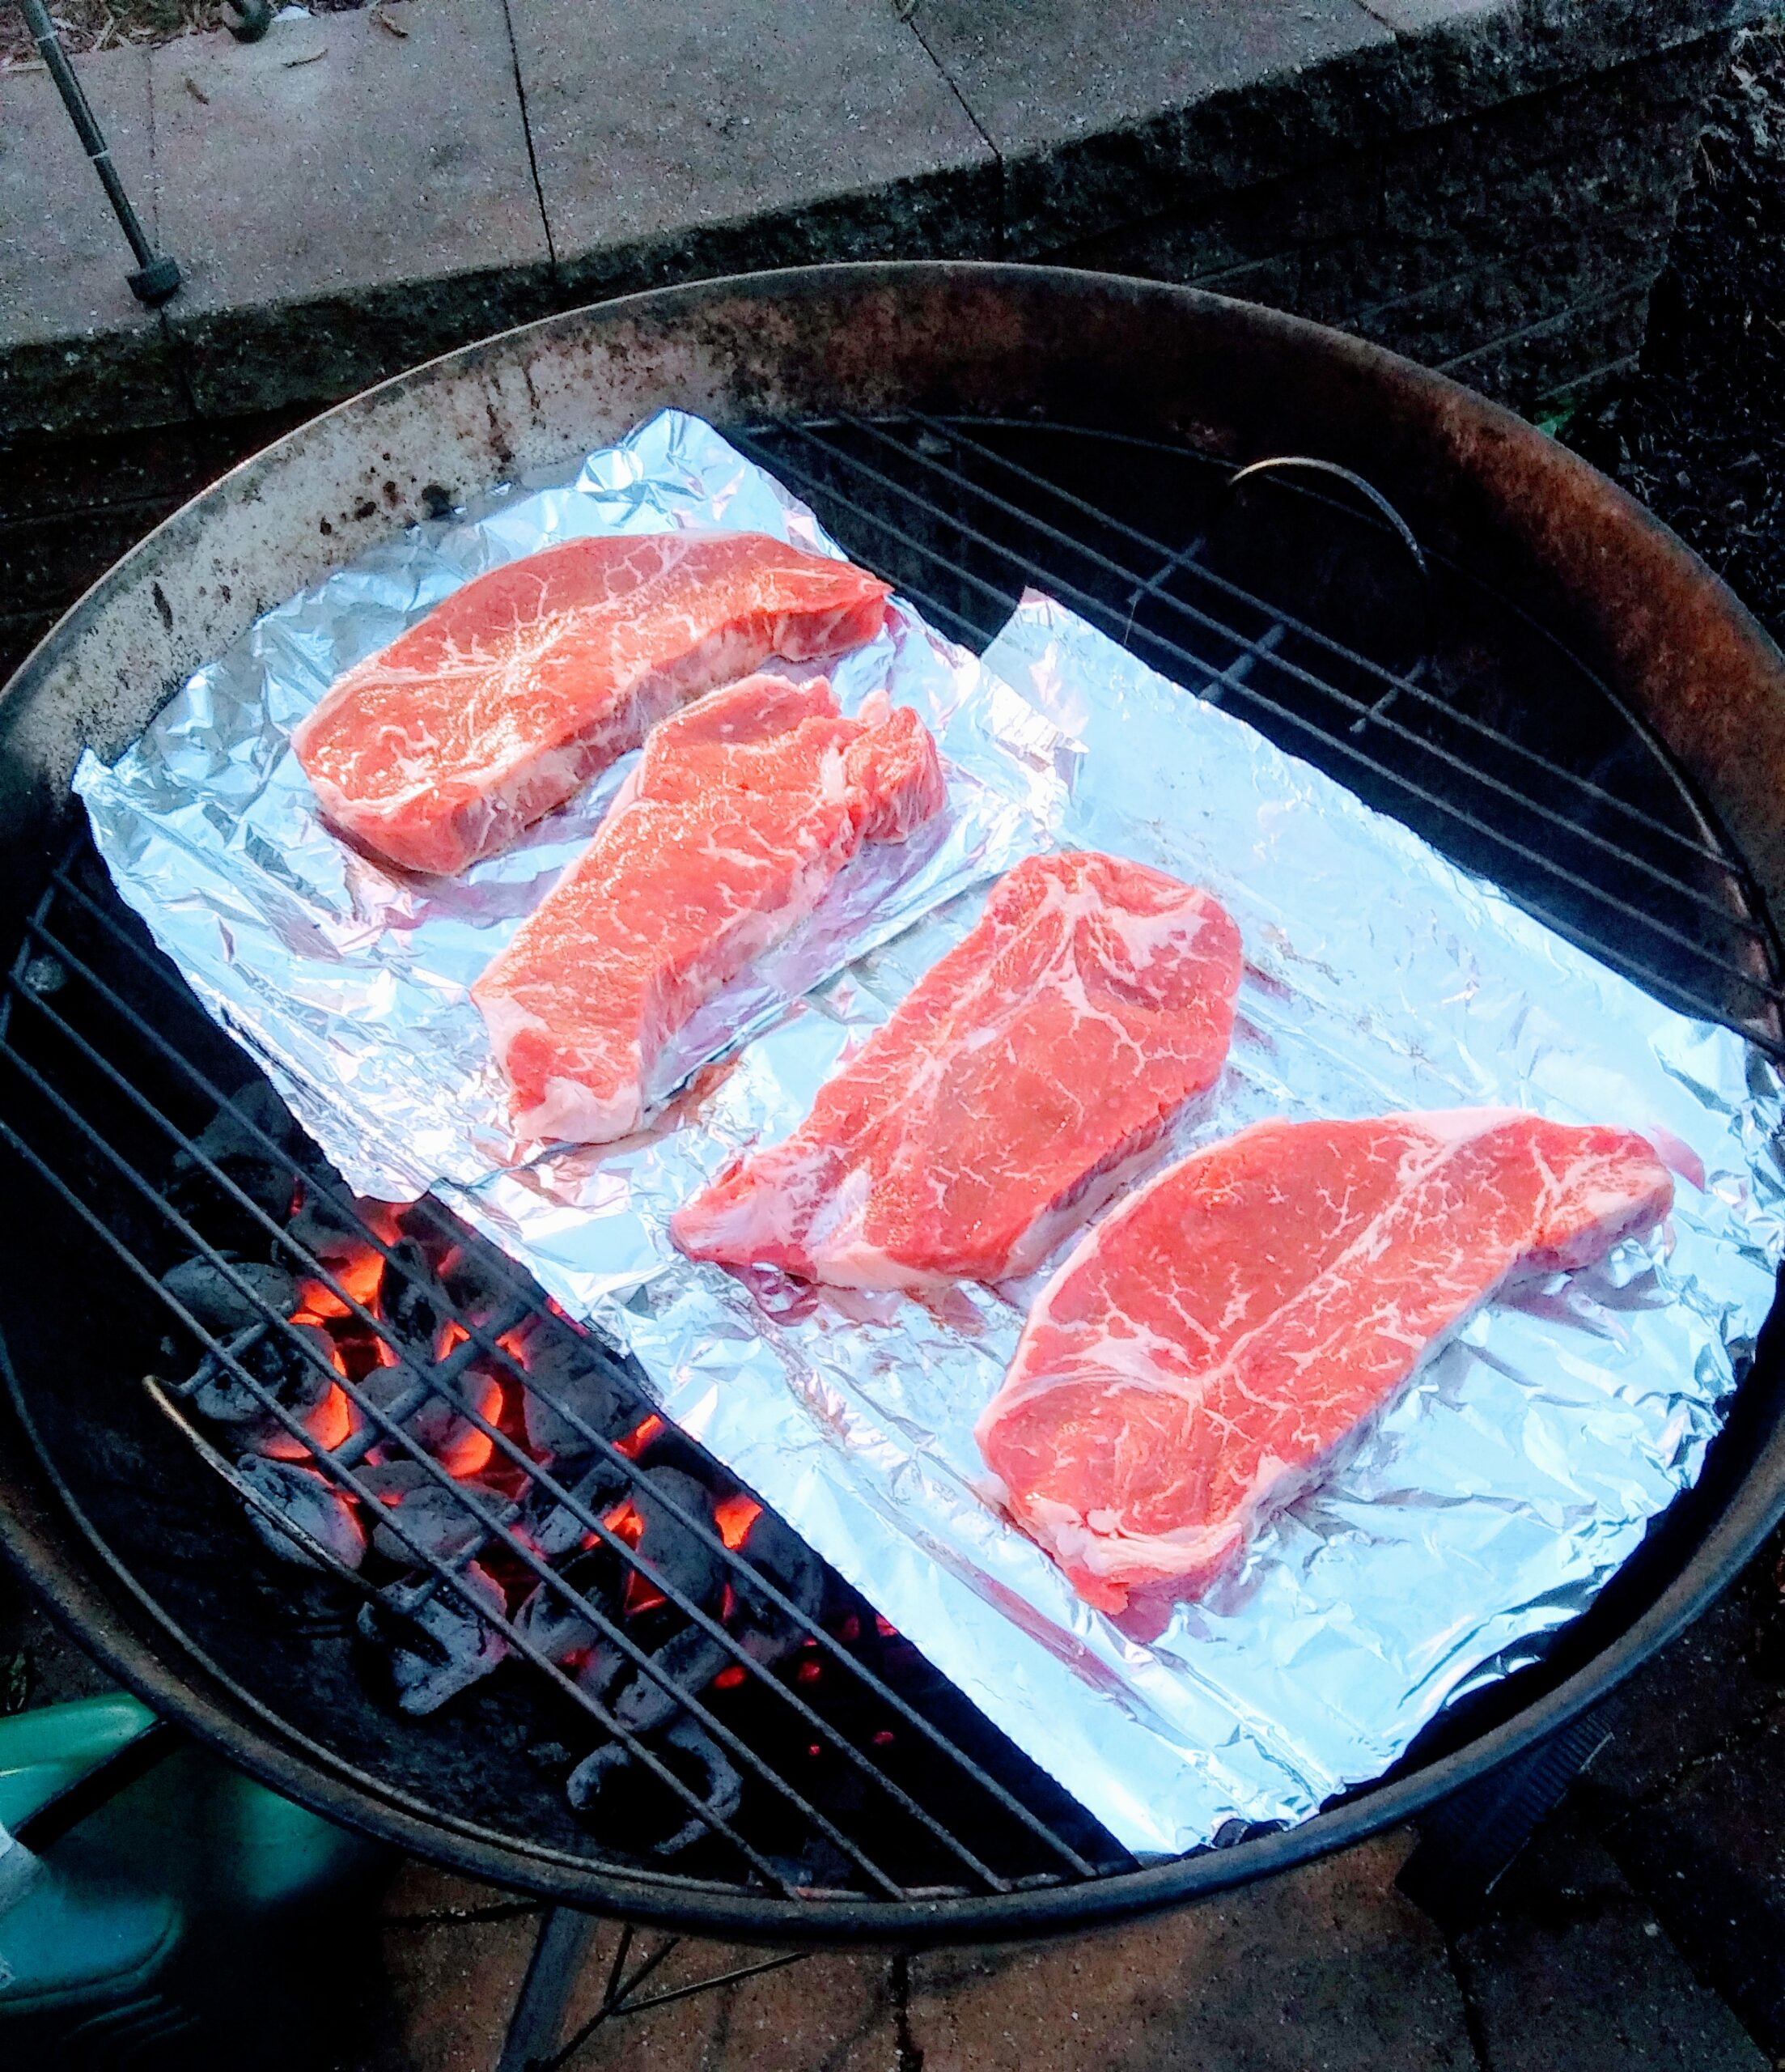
column 499, row 704
column 742, row 808
column 999, row 1105
column 1202, row 1351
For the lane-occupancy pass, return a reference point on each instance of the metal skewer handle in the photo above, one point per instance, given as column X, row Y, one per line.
column 157, row 276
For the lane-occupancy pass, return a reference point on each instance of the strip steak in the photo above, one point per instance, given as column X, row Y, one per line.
column 1200, row 1353
column 1001, row 1102
column 499, row 704
column 742, row 808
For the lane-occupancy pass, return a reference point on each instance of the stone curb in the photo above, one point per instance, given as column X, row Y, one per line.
column 361, row 191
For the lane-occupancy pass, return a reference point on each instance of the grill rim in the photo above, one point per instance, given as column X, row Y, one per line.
column 46, row 1547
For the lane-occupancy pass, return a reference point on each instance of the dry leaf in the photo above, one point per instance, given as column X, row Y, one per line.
column 196, row 91
column 385, row 22
column 290, row 63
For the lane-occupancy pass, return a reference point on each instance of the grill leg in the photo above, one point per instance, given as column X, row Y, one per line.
column 552, row 1972
column 532, row 2044
column 1468, row 1842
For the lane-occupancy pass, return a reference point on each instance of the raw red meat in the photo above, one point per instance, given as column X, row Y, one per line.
column 1202, row 1351
column 1000, row 1104
column 505, row 699
column 742, row 808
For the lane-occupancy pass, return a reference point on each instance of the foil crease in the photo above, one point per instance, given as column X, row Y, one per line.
column 1482, row 1511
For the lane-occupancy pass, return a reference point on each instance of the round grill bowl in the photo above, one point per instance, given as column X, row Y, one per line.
column 1145, row 369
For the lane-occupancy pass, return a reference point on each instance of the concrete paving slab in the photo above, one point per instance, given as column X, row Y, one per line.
column 448, row 1992
column 1415, row 17
column 1709, row 1855
column 1328, row 1966
column 345, row 199
column 420, row 1894
column 1107, row 114
column 733, row 133
column 831, row 2013
column 74, row 333
column 1707, row 1696
column 1574, row 1973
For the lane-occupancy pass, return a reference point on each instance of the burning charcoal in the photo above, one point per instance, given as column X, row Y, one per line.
column 228, row 1143
column 716, row 1781
column 474, row 1277
column 470, row 1648
column 229, row 1130
column 216, row 1302
column 690, row 1660
column 437, row 1424
column 327, row 1226
column 436, row 1520
column 574, row 1376
column 553, row 1625
column 602, row 1669
column 780, row 1556
column 410, row 1300
column 313, row 1504
column 272, row 1354
column 687, row 1564
column 552, row 1526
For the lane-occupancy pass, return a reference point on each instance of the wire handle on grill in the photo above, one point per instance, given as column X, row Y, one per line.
column 1377, row 513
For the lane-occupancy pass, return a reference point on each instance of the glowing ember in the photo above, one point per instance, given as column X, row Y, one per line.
column 512, row 1343
column 316, row 1304
column 327, row 1426
column 734, row 1516
column 451, row 1333
column 642, row 1595
column 635, row 1441
column 468, row 1452
column 729, row 1679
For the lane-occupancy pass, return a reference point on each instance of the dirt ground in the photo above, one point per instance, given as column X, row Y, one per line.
column 97, row 24
column 1698, row 433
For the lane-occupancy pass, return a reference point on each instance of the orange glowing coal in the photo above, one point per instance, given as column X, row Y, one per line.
column 734, row 1516
column 635, row 1441
column 451, row 1333
column 625, row 1522
column 468, row 1453
column 358, row 1276
column 642, row 1594
column 326, row 1425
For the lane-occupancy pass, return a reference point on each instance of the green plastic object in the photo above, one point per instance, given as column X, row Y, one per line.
column 186, row 1915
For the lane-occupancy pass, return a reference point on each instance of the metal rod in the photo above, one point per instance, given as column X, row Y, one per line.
column 389, row 1423
column 1205, row 623
column 942, row 428
column 552, row 1971
column 421, row 1556
column 1212, row 672
column 157, row 275
column 761, row 1585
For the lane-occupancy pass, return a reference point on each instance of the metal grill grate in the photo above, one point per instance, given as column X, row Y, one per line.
column 1495, row 742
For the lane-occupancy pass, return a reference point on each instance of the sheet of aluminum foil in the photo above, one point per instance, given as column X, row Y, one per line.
column 1482, row 1510
column 348, row 981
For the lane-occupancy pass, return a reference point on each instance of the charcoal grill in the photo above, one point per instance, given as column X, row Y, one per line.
column 1420, row 593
